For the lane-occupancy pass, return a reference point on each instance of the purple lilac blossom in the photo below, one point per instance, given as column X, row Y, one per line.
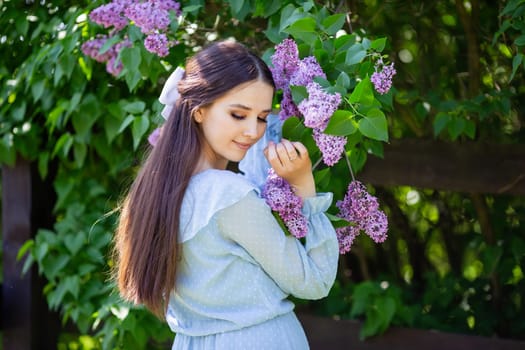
column 319, row 106
column 307, row 69
column 92, row 48
column 280, row 197
column 157, row 44
column 331, row 146
column 167, row 5
column 285, row 61
column 382, row 77
column 148, row 16
column 362, row 209
column 111, row 14
column 288, row 107
column 153, row 138
column 345, row 237
column 114, row 66
column 376, row 226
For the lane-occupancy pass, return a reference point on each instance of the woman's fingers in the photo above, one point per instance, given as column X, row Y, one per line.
column 291, row 152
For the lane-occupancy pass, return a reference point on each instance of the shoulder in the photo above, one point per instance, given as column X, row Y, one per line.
column 224, row 182
column 209, row 192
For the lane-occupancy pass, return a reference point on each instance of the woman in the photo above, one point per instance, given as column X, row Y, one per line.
column 195, row 242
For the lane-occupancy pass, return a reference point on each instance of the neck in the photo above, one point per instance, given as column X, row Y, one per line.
column 209, row 161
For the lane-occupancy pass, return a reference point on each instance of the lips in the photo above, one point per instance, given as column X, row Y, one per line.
column 242, row 145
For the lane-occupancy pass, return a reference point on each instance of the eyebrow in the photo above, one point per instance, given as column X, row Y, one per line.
column 238, row 105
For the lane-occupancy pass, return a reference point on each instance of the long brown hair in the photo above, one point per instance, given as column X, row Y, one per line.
column 146, row 247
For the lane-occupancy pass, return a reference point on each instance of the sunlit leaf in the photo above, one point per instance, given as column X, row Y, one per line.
column 374, row 125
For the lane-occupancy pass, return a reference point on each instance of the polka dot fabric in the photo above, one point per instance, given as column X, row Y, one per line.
column 238, row 267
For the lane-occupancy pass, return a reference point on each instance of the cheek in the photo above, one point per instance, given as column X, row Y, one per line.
column 261, row 128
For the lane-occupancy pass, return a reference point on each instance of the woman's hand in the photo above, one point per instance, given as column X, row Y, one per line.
column 291, row 161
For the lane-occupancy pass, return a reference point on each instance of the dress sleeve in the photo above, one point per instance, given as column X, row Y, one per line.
column 305, row 271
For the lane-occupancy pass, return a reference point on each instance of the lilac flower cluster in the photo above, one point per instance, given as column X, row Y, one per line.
column 280, row 197
column 92, row 48
column 151, row 16
column 361, row 209
column 111, row 14
column 331, row 146
column 382, row 77
column 317, row 109
column 288, row 70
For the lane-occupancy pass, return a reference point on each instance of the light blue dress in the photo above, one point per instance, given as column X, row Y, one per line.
column 238, row 267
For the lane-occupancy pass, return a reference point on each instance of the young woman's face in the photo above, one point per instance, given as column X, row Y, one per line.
column 234, row 122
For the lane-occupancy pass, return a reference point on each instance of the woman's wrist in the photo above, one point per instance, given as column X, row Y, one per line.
column 305, row 187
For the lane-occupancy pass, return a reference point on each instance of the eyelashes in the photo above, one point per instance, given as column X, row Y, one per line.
column 241, row 117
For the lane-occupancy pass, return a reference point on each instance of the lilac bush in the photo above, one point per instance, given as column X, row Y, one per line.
column 151, row 16
column 315, row 111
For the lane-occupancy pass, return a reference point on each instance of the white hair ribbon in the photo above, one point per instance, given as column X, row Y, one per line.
column 170, row 93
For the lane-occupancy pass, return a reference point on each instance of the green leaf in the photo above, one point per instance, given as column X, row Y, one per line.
column 109, row 44
column 357, row 159
column 129, row 119
column 341, row 123
column 470, row 129
column 55, row 264
column 82, row 123
column 59, row 72
column 378, row 44
column 338, row 222
column 37, row 89
column 74, row 242
column 355, row 54
column 303, row 29
column 322, row 177
column 491, row 258
column 26, row 247
column 7, row 150
column 63, row 144
column 293, row 129
column 343, row 80
column 374, row 125
column 132, row 79
column 289, row 15
column 236, row 6
column 333, row 23
column 135, row 107
column 440, row 122
column 22, row 25
column 79, row 151
column 138, row 129
column 131, row 58
column 516, row 61
column 520, row 41
column 362, row 93
column 43, row 159
column 299, row 93
column 72, row 285
column 456, row 127
column 19, row 113
column 191, row 8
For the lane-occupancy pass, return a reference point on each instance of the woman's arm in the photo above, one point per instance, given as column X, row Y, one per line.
column 305, row 271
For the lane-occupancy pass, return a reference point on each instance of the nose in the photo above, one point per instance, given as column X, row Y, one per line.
column 251, row 129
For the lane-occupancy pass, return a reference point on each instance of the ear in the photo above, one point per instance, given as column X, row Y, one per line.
column 198, row 115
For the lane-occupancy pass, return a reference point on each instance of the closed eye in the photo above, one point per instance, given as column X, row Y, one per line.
column 238, row 117
column 242, row 117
